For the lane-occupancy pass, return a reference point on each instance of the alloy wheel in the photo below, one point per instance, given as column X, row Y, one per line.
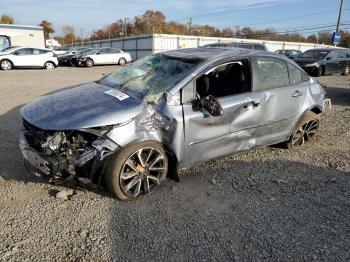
column 305, row 133
column 142, row 172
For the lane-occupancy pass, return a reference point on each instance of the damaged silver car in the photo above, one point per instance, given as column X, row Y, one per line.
column 169, row 111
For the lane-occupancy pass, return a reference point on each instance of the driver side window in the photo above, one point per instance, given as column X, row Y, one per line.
column 225, row 80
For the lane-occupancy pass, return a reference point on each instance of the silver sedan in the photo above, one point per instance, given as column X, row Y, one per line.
column 168, row 111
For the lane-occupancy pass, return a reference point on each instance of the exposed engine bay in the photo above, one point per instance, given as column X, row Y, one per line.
column 64, row 153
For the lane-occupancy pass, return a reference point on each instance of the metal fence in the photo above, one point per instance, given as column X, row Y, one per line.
column 139, row 46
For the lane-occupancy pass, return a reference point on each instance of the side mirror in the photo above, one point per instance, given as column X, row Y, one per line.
column 208, row 105
column 16, row 53
column 328, row 58
column 97, row 53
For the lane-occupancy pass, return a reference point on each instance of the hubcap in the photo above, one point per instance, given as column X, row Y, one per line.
column 305, row 133
column 142, row 172
column 347, row 70
column 49, row 66
column 122, row 62
column 6, row 65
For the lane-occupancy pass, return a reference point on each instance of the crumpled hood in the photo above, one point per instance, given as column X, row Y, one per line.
column 305, row 61
column 82, row 106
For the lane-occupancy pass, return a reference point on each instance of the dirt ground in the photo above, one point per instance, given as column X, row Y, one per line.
column 267, row 204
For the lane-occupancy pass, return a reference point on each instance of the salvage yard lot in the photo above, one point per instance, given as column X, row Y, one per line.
column 262, row 205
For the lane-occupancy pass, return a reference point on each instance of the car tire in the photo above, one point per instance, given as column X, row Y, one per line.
column 89, row 62
column 304, row 131
column 320, row 71
column 49, row 65
column 122, row 62
column 137, row 170
column 346, row 71
column 6, row 65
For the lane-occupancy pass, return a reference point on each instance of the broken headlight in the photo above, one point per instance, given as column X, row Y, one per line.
column 53, row 143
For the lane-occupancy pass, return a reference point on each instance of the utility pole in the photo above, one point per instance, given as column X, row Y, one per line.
column 81, row 35
column 125, row 28
column 339, row 16
column 190, row 25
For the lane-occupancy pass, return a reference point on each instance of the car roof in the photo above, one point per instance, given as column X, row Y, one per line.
column 202, row 53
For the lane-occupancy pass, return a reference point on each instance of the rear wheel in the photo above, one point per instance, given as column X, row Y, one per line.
column 6, row 65
column 305, row 130
column 122, row 61
column 346, row 71
column 137, row 170
column 89, row 62
column 49, row 66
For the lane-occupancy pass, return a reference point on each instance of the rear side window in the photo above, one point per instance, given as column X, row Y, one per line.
column 259, row 47
column 341, row 54
column 294, row 75
column 347, row 55
column 272, row 72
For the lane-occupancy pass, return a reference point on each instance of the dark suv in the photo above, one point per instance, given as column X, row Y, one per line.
column 325, row 61
column 239, row 45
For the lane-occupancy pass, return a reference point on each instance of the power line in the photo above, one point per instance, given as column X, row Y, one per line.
column 295, row 31
column 294, row 17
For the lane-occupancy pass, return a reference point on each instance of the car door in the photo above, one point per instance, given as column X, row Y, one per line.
column 103, row 56
column 235, row 130
column 115, row 55
column 23, row 57
column 39, row 57
column 342, row 62
column 331, row 63
column 282, row 101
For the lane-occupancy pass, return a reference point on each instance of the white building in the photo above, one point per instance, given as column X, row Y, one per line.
column 21, row 35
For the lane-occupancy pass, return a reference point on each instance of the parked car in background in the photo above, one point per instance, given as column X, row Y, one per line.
column 168, row 111
column 17, row 57
column 104, row 56
column 254, row 46
column 60, row 50
column 290, row 53
column 66, row 59
column 325, row 61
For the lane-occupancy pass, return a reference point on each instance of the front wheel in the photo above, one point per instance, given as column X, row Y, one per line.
column 305, row 130
column 49, row 66
column 6, row 65
column 137, row 170
column 320, row 71
column 89, row 63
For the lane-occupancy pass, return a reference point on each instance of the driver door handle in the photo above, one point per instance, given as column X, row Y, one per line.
column 297, row 93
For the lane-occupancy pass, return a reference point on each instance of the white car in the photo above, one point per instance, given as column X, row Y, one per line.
column 104, row 56
column 16, row 57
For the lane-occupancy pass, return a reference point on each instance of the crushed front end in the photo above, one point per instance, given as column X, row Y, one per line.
column 64, row 153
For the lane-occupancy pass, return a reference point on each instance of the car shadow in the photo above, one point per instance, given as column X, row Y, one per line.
column 237, row 210
column 339, row 96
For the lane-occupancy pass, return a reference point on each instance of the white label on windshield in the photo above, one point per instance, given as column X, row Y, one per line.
column 117, row 94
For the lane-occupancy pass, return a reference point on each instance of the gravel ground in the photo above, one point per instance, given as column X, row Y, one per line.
column 267, row 204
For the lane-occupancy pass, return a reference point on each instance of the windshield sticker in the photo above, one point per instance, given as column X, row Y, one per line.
column 117, row 94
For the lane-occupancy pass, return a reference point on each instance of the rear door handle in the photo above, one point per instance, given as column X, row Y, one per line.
column 297, row 93
column 251, row 104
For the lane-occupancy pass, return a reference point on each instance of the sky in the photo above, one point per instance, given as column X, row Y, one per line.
column 90, row 15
